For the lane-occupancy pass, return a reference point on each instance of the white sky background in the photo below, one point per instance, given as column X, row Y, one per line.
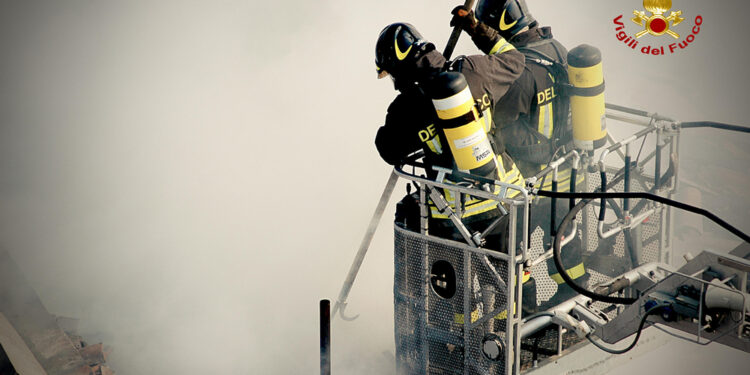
column 190, row 178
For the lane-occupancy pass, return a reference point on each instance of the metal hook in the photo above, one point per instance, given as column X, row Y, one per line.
column 342, row 312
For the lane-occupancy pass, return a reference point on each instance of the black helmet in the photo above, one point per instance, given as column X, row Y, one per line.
column 508, row 17
column 397, row 43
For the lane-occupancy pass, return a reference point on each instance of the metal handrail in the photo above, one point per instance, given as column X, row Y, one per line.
column 469, row 190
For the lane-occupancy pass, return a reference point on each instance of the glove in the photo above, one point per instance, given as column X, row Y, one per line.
column 464, row 18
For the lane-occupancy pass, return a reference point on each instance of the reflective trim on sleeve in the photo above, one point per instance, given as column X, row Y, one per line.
column 501, row 46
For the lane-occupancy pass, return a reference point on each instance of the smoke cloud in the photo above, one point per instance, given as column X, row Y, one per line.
column 190, row 177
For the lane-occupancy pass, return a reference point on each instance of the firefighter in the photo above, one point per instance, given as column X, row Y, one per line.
column 411, row 121
column 410, row 125
column 533, row 120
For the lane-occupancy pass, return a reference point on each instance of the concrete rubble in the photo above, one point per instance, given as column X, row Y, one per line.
column 33, row 341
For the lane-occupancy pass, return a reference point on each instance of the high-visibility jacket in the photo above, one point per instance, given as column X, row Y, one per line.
column 410, row 122
column 471, row 206
column 532, row 120
column 472, row 67
column 533, row 115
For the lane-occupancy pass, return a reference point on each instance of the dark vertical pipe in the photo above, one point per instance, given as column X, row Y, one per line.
column 325, row 337
column 573, row 177
column 626, row 201
column 603, row 204
column 553, row 212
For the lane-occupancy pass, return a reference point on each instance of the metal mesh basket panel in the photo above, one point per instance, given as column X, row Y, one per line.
column 650, row 230
column 608, row 258
column 430, row 320
column 430, row 327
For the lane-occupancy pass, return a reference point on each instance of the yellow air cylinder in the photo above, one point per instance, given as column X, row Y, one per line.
column 459, row 120
column 587, row 97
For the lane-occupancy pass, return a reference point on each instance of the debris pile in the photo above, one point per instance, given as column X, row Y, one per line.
column 33, row 341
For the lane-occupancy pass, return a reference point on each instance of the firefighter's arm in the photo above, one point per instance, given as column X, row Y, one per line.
column 396, row 139
column 496, row 73
column 484, row 37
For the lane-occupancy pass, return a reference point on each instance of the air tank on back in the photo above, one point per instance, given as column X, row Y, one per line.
column 587, row 97
column 459, row 121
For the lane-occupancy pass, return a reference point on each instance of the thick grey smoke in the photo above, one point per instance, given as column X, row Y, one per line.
column 190, row 177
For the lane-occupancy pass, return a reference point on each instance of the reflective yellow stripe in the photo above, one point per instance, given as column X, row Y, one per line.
column 540, row 122
column 504, row 314
column 477, row 206
column 574, row 273
column 550, row 114
column 435, row 146
column 501, row 46
column 487, row 118
column 459, row 318
column 545, row 120
column 470, row 209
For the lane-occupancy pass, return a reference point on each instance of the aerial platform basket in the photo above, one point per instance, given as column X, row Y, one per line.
column 439, row 282
column 459, row 307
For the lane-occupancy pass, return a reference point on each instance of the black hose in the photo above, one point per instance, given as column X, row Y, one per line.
column 586, row 198
column 653, row 197
column 556, row 246
column 716, row 125
column 613, row 205
column 637, row 336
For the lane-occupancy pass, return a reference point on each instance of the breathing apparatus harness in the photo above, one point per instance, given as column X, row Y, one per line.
column 543, row 151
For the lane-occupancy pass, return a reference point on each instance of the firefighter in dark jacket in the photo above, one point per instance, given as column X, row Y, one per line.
column 412, row 63
column 534, row 121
